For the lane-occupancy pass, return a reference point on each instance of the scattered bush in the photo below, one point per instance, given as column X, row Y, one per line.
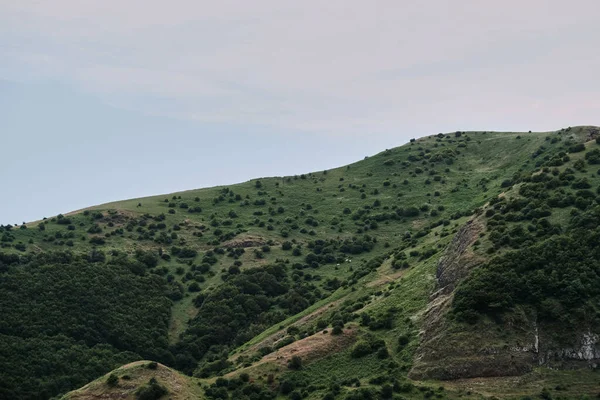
column 112, row 380
column 295, row 363
column 151, row 391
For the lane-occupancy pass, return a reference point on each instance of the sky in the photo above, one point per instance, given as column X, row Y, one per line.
column 102, row 100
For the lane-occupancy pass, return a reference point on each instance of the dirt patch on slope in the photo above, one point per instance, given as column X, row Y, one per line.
column 309, row 349
column 275, row 337
column 314, row 347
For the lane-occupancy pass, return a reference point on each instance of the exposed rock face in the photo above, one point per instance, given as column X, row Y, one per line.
column 452, row 351
column 437, row 357
column 592, row 133
column 473, row 367
column 586, row 351
column 454, row 265
column 458, row 260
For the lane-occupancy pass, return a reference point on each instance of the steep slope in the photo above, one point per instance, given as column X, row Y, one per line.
column 363, row 272
column 534, row 301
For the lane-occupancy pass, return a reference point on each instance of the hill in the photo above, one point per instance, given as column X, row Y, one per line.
column 457, row 261
column 140, row 379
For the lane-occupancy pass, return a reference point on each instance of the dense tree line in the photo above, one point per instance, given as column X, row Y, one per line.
column 247, row 303
column 66, row 319
column 558, row 279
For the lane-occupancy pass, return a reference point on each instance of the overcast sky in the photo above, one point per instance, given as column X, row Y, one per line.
column 105, row 100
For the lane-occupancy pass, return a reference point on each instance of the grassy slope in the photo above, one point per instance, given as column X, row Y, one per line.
column 132, row 377
column 488, row 156
column 484, row 161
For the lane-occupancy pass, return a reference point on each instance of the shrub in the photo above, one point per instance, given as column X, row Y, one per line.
column 545, row 394
column 112, row 380
column 147, row 257
column 295, row 395
column 187, row 253
column 295, row 363
column 411, row 212
column 151, row 391
column 593, row 156
column 387, row 392
column 398, row 264
column 284, row 342
column 152, row 365
column 97, row 241
column 579, row 147
column 62, row 220
column 403, row 340
column 95, row 229
column 263, row 351
column 382, row 353
column 360, row 349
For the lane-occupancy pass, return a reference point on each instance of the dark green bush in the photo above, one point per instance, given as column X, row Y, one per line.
column 576, row 148
column 295, row 363
column 151, row 391
column 112, row 380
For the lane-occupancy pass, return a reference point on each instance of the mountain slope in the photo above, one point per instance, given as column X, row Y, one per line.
column 237, row 280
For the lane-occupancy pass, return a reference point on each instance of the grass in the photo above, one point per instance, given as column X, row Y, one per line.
column 342, row 366
column 580, row 384
column 270, row 211
column 132, row 377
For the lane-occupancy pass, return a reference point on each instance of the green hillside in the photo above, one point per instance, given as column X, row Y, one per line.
column 458, row 265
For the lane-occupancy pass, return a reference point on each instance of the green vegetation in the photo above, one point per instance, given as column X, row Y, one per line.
column 311, row 286
column 552, row 220
column 151, row 391
column 88, row 317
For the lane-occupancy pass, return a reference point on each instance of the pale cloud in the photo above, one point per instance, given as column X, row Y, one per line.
column 348, row 67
